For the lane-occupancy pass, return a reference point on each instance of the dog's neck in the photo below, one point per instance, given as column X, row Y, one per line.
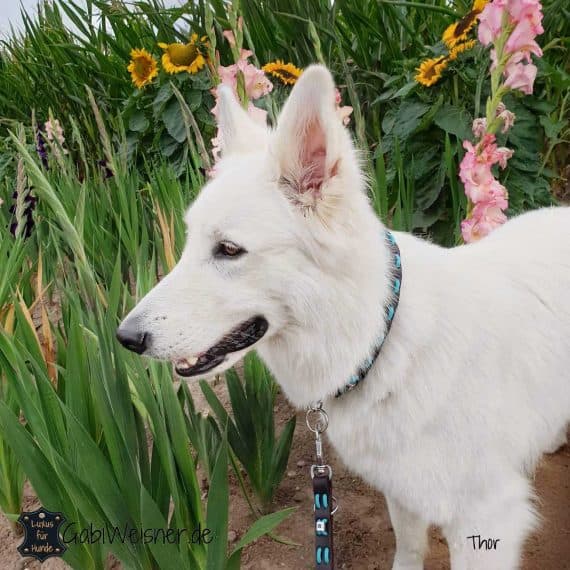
column 337, row 329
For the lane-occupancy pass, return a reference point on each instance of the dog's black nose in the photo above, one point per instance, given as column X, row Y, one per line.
column 132, row 339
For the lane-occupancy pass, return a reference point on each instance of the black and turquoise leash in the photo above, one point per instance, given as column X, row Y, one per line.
column 317, row 421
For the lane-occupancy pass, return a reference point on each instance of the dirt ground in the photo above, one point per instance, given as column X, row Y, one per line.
column 364, row 539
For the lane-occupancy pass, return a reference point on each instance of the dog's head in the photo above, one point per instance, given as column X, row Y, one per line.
column 260, row 235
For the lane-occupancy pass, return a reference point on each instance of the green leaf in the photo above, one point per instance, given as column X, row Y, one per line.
column 552, row 128
column 454, row 120
column 262, row 526
column 408, row 118
column 138, row 122
column 167, row 555
column 194, row 100
column 168, row 145
column 174, row 121
column 162, row 97
column 405, row 90
column 217, row 517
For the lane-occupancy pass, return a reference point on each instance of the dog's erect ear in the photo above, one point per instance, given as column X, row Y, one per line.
column 239, row 132
column 307, row 140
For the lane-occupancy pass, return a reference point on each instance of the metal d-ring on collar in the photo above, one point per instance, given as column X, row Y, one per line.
column 317, row 420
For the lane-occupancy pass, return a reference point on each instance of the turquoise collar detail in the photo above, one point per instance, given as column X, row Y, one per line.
column 389, row 313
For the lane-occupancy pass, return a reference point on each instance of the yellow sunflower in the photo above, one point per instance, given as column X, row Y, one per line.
column 457, row 32
column 182, row 57
column 430, row 70
column 460, row 48
column 143, row 68
column 286, row 72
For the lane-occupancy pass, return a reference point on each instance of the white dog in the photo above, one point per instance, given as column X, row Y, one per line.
column 472, row 384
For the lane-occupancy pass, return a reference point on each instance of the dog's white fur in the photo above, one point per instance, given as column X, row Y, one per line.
column 473, row 382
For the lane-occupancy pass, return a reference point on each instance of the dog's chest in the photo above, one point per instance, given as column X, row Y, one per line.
column 392, row 456
column 365, row 442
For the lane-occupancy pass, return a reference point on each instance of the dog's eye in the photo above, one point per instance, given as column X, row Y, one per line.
column 228, row 249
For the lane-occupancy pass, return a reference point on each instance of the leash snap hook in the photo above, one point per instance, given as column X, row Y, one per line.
column 317, row 420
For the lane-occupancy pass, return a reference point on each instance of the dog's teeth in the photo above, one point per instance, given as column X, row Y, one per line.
column 187, row 362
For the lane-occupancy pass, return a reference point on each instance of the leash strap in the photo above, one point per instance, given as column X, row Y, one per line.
column 323, row 500
column 322, row 491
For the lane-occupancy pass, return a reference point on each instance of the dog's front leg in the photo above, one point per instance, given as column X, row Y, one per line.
column 489, row 534
column 411, row 537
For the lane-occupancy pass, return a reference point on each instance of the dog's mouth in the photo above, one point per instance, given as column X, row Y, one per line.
column 239, row 338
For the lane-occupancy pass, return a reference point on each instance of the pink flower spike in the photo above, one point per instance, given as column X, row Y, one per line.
column 479, row 127
column 527, row 10
column 522, row 40
column 256, row 83
column 520, row 76
column 502, row 154
column 228, row 75
column 508, row 119
column 490, row 21
column 229, row 35
column 245, row 54
column 468, row 230
column 485, row 217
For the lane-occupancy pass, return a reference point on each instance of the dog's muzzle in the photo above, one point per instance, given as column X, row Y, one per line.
column 239, row 338
column 132, row 338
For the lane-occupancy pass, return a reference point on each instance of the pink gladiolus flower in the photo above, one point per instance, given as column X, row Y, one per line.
column 520, row 76
column 527, row 10
column 479, row 127
column 502, row 154
column 256, row 83
column 228, row 75
column 490, row 21
column 522, row 40
column 516, row 23
column 485, row 217
column 506, row 116
column 468, row 230
column 244, row 54
column 229, row 35
column 475, row 171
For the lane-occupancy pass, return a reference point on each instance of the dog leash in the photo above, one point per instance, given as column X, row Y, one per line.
column 325, row 505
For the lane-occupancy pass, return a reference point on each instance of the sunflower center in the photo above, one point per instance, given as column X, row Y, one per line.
column 182, row 54
column 430, row 71
column 466, row 23
column 142, row 66
column 285, row 74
